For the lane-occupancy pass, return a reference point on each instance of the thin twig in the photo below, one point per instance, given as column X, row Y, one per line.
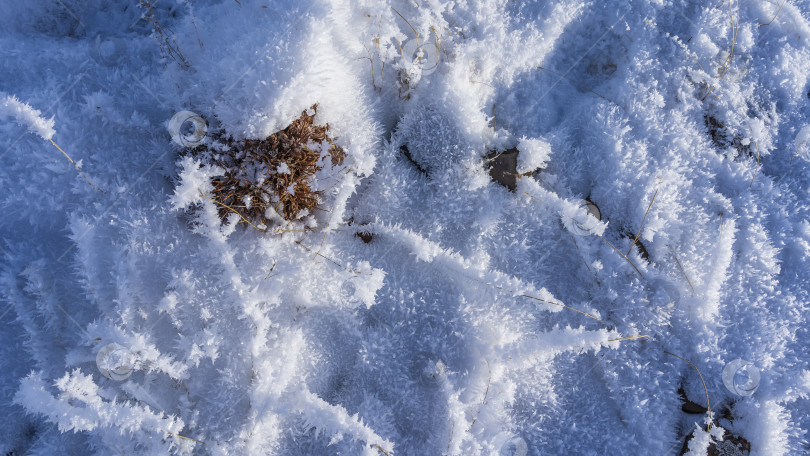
column 682, row 270
column 623, row 255
column 438, row 41
column 322, row 243
column 708, row 405
column 774, row 16
column 235, row 211
column 371, row 60
column 318, row 253
column 757, row 167
column 639, row 336
column 187, row 438
column 379, row 448
column 583, row 258
column 735, row 25
column 561, row 305
column 76, row 166
column 484, row 401
column 711, row 89
column 642, row 222
column 409, row 25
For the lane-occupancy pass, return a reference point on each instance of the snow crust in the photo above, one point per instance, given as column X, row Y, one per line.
column 423, row 309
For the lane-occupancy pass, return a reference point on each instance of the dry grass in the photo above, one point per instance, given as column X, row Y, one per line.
column 75, row 165
column 683, row 271
column 735, row 26
column 380, row 449
column 623, row 255
column 638, row 234
column 756, row 168
column 164, row 36
column 561, row 305
column 275, row 173
column 774, row 16
column 708, row 404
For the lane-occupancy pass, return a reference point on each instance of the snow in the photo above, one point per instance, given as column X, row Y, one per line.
column 468, row 318
column 25, row 116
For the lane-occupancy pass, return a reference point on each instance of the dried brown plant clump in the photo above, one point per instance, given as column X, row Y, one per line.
column 273, row 173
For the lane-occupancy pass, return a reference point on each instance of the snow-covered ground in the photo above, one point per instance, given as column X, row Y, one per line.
column 476, row 320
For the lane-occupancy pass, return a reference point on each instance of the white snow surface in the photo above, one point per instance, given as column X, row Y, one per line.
column 475, row 321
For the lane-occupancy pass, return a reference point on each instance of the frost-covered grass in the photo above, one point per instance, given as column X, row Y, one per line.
column 468, row 318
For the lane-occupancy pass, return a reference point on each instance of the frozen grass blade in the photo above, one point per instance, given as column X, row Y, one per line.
column 774, row 16
column 639, row 336
column 409, row 25
column 186, row 438
column 561, row 305
column 682, row 270
column 76, row 166
column 379, row 448
column 623, row 255
column 708, row 405
column 735, row 26
column 757, row 166
column 642, row 223
column 583, row 258
column 234, row 211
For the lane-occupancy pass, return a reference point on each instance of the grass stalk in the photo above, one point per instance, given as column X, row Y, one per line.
column 639, row 336
column 708, row 404
column 187, row 438
column 735, row 26
column 642, row 223
column 561, row 305
column 379, row 448
column 774, row 16
column 235, row 211
column 756, row 168
column 409, row 25
column 76, row 166
column 623, row 255
column 682, row 270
